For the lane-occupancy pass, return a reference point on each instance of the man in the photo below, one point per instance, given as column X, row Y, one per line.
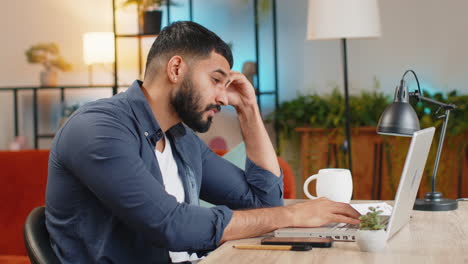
column 126, row 173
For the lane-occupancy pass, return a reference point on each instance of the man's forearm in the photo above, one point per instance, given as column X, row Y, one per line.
column 258, row 144
column 256, row 222
column 311, row 213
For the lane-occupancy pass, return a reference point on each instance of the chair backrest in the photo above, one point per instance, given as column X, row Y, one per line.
column 289, row 179
column 36, row 238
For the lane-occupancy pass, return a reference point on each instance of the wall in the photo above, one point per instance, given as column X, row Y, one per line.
column 425, row 35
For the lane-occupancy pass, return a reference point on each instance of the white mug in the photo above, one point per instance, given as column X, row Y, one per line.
column 334, row 184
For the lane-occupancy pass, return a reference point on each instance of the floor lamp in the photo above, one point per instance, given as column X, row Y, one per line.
column 343, row 19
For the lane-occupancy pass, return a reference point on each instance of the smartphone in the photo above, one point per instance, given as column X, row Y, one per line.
column 311, row 241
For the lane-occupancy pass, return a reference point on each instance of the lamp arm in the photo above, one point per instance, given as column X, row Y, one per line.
column 448, row 108
column 418, row 94
column 439, row 147
column 419, row 97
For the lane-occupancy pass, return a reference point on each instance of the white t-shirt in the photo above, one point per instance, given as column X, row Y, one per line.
column 173, row 185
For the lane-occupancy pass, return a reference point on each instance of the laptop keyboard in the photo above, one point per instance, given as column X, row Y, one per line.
column 336, row 231
column 346, row 232
column 346, row 227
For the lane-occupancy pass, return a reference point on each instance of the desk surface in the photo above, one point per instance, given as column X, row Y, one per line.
column 429, row 237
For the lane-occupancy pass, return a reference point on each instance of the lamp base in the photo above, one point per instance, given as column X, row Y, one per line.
column 433, row 201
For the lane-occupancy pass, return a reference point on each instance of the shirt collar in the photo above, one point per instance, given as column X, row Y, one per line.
column 145, row 116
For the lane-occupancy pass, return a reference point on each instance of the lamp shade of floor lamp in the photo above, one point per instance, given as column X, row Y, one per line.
column 98, row 47
column 343, row 19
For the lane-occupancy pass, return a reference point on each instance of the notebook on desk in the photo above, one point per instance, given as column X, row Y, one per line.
column 404, row 198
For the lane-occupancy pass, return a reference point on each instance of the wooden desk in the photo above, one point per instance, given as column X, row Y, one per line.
column 429, row 237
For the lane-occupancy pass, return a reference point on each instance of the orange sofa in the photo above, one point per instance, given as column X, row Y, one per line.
column 23, row 177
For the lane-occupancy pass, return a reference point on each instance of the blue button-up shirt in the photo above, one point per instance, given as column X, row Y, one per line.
column 106, row 202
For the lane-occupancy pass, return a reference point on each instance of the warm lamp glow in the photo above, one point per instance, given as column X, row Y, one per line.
column 98, row 47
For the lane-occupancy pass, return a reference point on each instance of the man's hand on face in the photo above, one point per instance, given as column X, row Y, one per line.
column 322, row 211
column 240, row 92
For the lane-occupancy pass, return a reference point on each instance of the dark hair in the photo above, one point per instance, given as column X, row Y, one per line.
column 186, row 38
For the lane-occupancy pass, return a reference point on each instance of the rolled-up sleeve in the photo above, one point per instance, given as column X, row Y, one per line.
column 103, row 153
column 225, row 184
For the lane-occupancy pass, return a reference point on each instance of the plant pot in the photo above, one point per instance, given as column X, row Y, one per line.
column 49, row 78
column 371, row 240
column 151, row 23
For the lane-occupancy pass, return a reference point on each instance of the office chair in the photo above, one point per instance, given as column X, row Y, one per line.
column 36, row 238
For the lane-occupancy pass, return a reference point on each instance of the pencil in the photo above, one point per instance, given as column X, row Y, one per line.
column 274, row 247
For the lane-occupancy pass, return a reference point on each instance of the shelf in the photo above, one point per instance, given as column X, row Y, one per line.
column 263, row 93
column 136, row 35
column 59, row 87
column 46, row 135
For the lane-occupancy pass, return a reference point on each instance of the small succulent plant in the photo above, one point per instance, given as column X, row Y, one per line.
column 371, row 220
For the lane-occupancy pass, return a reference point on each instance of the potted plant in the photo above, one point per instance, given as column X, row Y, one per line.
column 48, row 54
column 149, row 14
column 371, row 236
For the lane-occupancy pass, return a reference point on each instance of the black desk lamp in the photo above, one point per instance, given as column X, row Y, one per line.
column 400, row 119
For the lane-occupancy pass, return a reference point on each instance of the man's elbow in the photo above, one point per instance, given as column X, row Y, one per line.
column 271, row 201
column 184, row 239
column 174, row 241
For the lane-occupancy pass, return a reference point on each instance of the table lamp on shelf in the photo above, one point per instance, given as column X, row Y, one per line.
column 98, row 48
column 343, row 19
column 400, row 119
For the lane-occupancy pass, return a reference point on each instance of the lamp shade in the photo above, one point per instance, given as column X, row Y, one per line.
column 98, row 47
column 399, row 118
column 335, row 19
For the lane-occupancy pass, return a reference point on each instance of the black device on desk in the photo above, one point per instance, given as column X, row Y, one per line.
column 309, row 241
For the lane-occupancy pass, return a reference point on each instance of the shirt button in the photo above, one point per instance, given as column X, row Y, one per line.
column 146, row 134
column 159, row 134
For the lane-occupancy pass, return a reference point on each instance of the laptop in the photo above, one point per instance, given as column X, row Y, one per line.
column 404, row 198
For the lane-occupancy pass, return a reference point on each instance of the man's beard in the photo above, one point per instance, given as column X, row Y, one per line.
column 185, row 104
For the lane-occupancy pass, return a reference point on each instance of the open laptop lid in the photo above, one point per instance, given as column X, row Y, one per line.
column 410, row 179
